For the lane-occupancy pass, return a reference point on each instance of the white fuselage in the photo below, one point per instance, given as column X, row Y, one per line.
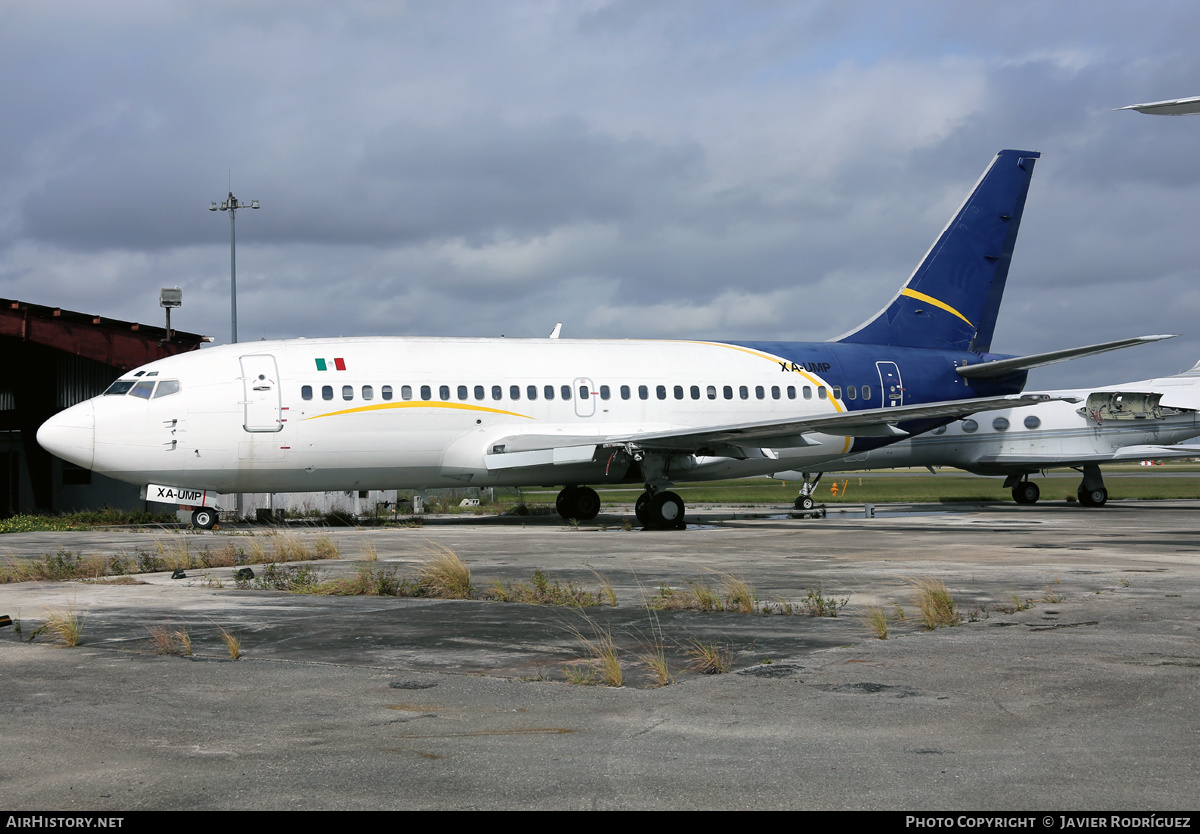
column 409, row 412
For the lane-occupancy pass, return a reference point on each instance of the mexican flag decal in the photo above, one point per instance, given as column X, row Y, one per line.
column 338, row 364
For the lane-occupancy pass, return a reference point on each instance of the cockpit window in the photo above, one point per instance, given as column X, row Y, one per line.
column 166, row 388
column 119, row 388
column 142, row 389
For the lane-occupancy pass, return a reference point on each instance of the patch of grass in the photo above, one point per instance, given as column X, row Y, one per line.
column 710, row 658
column 1052, row 596
column 600, row 664
column 64, row 625
column 935, row 604
column 444, row 576
column 369, row 554
column 816, row 604
column 324, row 548
column 233, row 643
column 876, row 620
column 734, row 594
column 300, row 579
column 1016, row 605
column 655, row 654
column 542, row 591
column 170, row 642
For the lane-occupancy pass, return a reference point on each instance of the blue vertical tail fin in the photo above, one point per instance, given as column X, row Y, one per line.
column 952, row 299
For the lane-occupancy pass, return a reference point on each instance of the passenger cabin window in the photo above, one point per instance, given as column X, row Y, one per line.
column 821, row 393
column 583, row 392
column 678, row 392
column 775, row 393
column 969, row 426
column 368, row 393
column 566, row 392
column 514, row 392
column 327, row 392
column 727, row 392
column 444, row 392
column 549, row 392
column 347, row 392
column 643, row 392
column 837, row 392
column 866, row 392
column 660, row 391
column 695, row 392
column 744, row 392
column 462, row 392
column 479, row 392
column 386, row 391
column 406, row 392
column 306, row 392
column 851, row 392
column 711, row 392
column 426, row 392
column 791, row 392
column 759, row 392
column 625, row 392
column 1000, row 424
column 605, row 393
column 497, row 392
column 807, row 392
column 1032, row 421
column 531, row 392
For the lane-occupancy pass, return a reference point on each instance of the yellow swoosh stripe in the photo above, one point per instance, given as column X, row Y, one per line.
column 419, row 404
column 920, row 296
column 814, row 380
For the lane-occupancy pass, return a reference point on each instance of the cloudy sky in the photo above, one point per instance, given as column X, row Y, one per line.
column 631, row 168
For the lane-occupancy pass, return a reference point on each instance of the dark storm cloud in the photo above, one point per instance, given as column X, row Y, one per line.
column 691, row 169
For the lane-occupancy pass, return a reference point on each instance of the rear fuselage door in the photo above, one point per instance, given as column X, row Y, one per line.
column 889, row 380
column 260, row 379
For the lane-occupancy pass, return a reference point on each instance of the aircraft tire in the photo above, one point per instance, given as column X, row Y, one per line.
column 666, row 511
column 565, row 502
column 204, row 518
column 587, row 504
column 1092, row 497
column 641, row 509
column 805, row 502
column 1026, row 492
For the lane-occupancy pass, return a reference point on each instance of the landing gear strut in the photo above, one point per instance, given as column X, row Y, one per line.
column 579, row 503
column 1091, row 492
column 804, row 501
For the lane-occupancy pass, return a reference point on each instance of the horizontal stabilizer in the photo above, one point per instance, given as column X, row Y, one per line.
column 1003, row 367
column 1170, row 107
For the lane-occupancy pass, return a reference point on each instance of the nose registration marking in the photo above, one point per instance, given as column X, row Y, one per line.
column 179, row 495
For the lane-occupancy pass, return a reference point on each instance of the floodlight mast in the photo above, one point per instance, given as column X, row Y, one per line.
column 231, row 205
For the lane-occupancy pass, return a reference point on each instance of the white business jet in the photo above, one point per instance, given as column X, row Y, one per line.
column 1081, row 429
column 384, row 413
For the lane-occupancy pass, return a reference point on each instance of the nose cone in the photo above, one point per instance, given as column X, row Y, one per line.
column 71, row 434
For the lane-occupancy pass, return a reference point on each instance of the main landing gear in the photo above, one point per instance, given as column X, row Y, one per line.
column 804, row 501
column 579, row 503
column 1026, row 492
column 1091, row 491
column 660, row 510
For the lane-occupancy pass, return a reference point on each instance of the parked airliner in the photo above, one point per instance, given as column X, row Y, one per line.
column 385, row 413
column 1081, row 429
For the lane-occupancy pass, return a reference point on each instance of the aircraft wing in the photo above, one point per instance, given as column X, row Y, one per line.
column 738, row 440
column 1123, row 454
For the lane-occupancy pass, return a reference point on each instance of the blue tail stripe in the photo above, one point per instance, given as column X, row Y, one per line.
column 952, row 299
